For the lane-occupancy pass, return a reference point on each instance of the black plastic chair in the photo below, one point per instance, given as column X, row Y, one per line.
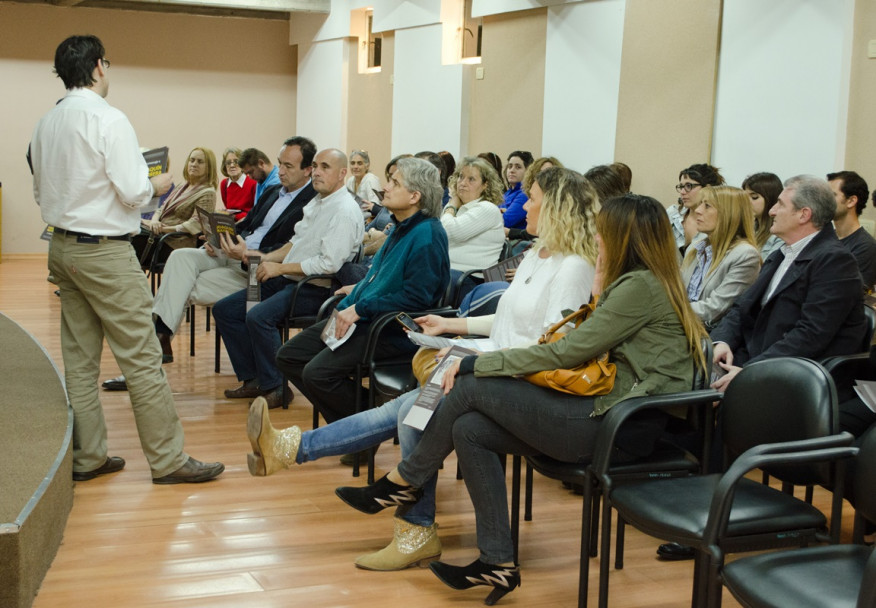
column 833, row 576
column 387, row 377
column 776, row 401
column 667, row 460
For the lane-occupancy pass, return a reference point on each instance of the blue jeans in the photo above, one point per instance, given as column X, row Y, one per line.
column 251, row 338
column 484, row 417
column 367, row 429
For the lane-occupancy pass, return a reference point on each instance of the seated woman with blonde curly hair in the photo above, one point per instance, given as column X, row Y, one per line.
column 472, row 220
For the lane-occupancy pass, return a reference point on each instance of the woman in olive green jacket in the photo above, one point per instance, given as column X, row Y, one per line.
column 645, row 322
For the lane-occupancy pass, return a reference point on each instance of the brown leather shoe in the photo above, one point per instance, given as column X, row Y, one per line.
column 166, row 349
column 248, row 390
column 193, row 471
column 279, row 397
column 112, row 465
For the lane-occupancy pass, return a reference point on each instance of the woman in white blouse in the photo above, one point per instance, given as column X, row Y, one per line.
column 717, row 269
column 362, row 182
column 472, row 219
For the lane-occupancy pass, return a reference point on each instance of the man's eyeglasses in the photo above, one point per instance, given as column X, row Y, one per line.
column 686, row 187
column 106, row 62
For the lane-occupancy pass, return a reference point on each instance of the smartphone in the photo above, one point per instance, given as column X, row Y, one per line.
column 408, row 322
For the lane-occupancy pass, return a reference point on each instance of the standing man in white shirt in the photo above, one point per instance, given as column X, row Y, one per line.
column 91, row 181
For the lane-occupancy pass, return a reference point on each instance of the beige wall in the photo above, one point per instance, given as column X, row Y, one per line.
column 183, row 81
column 861, row 133
column 369, row 112
column 667, row 90
column 507, row 106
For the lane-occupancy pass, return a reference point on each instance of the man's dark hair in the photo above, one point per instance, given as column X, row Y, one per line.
column 251, row 157
column 308, row 149
column 75, row 60
column 851, row 185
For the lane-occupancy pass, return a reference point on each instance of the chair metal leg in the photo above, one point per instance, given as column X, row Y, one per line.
column 216, row 351
column 587, row 541
column 209, row 311
column 619, row 544
column 594, row 518
column 191, row 315
column 809, row 492
column 515, row 504
column 606, row 553
column 527, row 510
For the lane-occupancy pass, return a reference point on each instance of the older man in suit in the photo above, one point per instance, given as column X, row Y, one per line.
column 807, row 300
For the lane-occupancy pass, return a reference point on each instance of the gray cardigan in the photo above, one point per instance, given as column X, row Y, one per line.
column 724, row 283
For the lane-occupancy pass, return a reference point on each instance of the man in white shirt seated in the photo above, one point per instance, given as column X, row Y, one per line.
column 328, row 235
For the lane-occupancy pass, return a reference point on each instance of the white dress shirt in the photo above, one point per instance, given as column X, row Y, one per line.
column 328, row 235
column 97, row 181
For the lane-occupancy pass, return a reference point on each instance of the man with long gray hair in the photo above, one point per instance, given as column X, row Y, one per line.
column 409, row 273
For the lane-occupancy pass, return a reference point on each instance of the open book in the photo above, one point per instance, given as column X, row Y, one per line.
column 431, row 393
column 497, row 271
column 213, row 224
column 156, row 160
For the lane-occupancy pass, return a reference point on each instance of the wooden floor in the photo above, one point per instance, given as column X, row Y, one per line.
column 284, row 540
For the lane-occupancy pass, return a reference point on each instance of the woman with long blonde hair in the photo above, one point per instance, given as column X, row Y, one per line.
column 717, row 269
column 645, row 322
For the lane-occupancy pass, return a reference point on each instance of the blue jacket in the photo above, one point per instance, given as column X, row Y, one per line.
column 514, row 215
column 410, row 272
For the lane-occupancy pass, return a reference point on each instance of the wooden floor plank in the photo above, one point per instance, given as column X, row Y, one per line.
column 285, row 540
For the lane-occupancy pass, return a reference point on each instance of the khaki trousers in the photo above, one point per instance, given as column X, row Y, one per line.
column 104, row 294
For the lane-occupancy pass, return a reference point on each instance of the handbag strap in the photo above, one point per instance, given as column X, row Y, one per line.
column 578, row 317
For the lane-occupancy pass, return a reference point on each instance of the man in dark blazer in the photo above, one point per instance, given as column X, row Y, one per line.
column 807, row 300
column 205, row 276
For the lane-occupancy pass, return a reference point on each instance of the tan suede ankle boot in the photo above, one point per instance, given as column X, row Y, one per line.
column 411, row 544
column 272, row 449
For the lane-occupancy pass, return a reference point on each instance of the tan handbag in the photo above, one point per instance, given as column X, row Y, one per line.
column 594, row 377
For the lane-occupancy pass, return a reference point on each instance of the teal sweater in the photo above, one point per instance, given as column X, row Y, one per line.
column 410, row 272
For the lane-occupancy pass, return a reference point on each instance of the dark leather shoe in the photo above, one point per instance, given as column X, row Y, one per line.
column 279, row 397
column 113, row 464
column 248, row 390
column 166, row 349
column 674, row 552
column 193, row 471
column 115, row 384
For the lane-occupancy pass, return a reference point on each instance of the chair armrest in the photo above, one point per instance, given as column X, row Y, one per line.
column 819, row 449
column 381, row 322
column 306, row 280
column 328, row 306
column 160, row 243
column 618, row 414
column 840, row 362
